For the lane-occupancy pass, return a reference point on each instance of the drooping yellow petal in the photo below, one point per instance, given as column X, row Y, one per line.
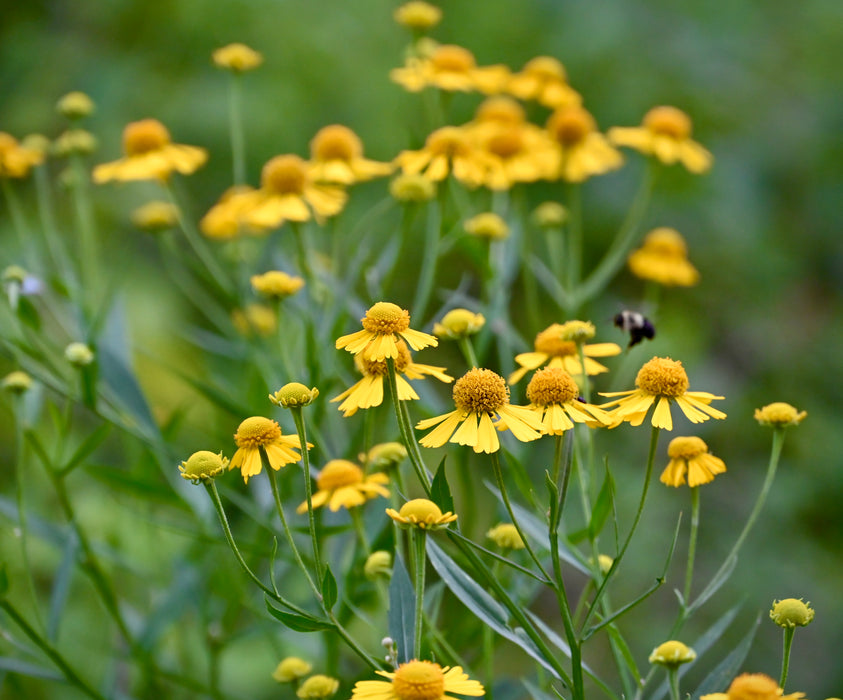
column 661, row 416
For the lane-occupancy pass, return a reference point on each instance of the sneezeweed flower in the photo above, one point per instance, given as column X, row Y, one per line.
column 291, row 669
column 336, row 154
column 753, row 686
column 661, row 382
column 779, row 415
column 544, row 80
column 581, row 150
column 791, row 612
column 342, row 484
column 154, row 217
column 16, row 382
column 276, row 284
column 450, row 149
column 487, row 225
column 505, row 536
column 150, row 154
column 418, row 680
column 480, row 397
column 549, row 215
column 237, row 58
column 421, row 513
column 203, row 466
column 452, row 68
column 554, row 396
column 385, row 455
column 226, row 219
column 384, row 326
column 689, row 455
column 294, row 395
column 16, row 160
column 672, row 654
column 666, row 134
column 318, row 686
column 79, row 354
column 459, row 323
column 556, row 346
column 418, row 16
column 517, row 153
column 378, row 565
column 663, row 258
column 496, row 112
column 75, row 105
column 412, row 188
column 368, row 392
column 255, row 319
column 75, row 142
column 255, row 433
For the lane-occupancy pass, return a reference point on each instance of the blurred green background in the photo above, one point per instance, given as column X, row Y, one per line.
column 763, row 84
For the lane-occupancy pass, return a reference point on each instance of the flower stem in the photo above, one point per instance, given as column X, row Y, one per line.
column 419, row 537
column 574, row 238
column 406, row 430
column 468, row 351
column 673, row 681
column 298, row 418
column 238, row 140
column 88, row 243
column 430, row 251
column 692, row 542
column 360, row 528
column 788, row 641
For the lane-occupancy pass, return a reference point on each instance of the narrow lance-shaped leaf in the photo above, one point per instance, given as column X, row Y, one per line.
column 401, row 618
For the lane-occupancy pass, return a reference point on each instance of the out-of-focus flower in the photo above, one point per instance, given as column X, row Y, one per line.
column 16, row 160
column 450, row 149
column 290, row 669
column 276, row 284
column 459, row 323
column 581, row 150
column 237, row 58
column 505, row 536
column 417, row 15
column 75, row 105
column 336, row 154
column 342, row 484
column 663, row 258
column 545, row 80
column 155, row 217
column 487, row 225
column 450, row 67
column 672, row 654
column 779, row 415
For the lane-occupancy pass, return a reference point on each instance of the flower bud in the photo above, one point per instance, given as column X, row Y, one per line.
column 379, row 564
column 672, row 654
column 779, row 415
column 75, row 105
column 290, row 669
column 294, row 395
column 78, row 354
column 790, row 613
column 318, row 686
column 203, row 466
column 16, row 382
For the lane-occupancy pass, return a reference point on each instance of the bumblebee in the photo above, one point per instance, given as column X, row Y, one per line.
column 637, row 325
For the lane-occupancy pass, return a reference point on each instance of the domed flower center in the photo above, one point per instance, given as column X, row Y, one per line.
column 552, row 385
column 546, row 68
column 449, row 141
column 668, row 121
column 686, row 448
column 551, row 342
column 503, row 110
column 204, row 463
column 420, row 510
column 480, row 391
column 791, row 612
column 578, row 331
column 419, row 680
column 452, row 59
column 506, row 144
column 571, row 125
column 386, row 319
column 753, row 686
column 378, row 367
column 257, row 431
column 144, row 136
column 284, row 175
column 336, row 142
column 666, row 241
column 779, row 413
column 662, row 376
column 338, row 473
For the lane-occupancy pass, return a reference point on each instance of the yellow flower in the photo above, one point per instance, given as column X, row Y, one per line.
column 17, row 382
column 342, row 484
column 16, row 160
column 225, row 220
column 459, row 323
column 413, row 188
column 294, row 395
column 672, row 654
column 418, row 680
column 155, row 216
column 779, row 415
column 666, row 134
column 336, row 154
column 663, row 258
column 75, row 105
column 318, row 686
column 544, row 79
column 384, row 326
column 276, row 284
column 255, row 319
column 368, row 392
column 378, row 565
column 753, row 686
column 554, row 349
column 255, row 433
column 203, row 466
column 689, row 455
column 421, row 513
column 506, row 536
column 662, row 381
column 480, row 395
column 450, row 67
column 451, row 149
column 150, row 155
column 237, row 58
column 581, row 150
column 417, row 15
column 791, row 612
column 487, row 225
column 498, row 111
column 384, row 455
column 549, row 215
column 554, row 396
column 290, row 669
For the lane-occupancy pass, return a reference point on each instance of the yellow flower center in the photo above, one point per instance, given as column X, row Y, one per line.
column 578, row 331
column 571, row 125
column 753, row 686
column 449, row 141
column 672, row 653
column 546, row 68
column 285, row 175
column 779, row 413
column 276, row 283
column 452, row 59
column 506, row 144
column 668, row 121
column 237, row 57
column 552, row 385
column 385, row 319
column 462, row 322
column 418, row 15
column 686, row 448
column 419, row 680
column 256, row 431
column 378, row 367
column 487, row 225
column 480, row 391
column 422, row 510
column 791, row 612
column 294, row 395
column 662, row 376
column 506, row 536
column 336, row 142
column 338, row 473
column 144, row 136
column 666, row 241
column 204, row 464
column 503, row 110
column 550, row 342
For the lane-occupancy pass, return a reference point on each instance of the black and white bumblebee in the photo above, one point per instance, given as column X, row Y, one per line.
column 637, row 325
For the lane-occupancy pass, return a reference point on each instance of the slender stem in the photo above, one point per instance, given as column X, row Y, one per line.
column 692, row 542
column 673, row 680
column 303, row 256
column 788, row 641
column 468, row 351
column 575, row 236
column 360, row 528
column 298, row 418
column 238, row 139
column 430, row 252
column 407, row 436
column 16, row 214
column 46, row 213
column 419, row 536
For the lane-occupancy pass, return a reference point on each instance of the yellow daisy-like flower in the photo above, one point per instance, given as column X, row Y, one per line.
column 150, row 155
column 291, row 669
column 791, row 613
column 520, row 153
column 544, row 79
column 225, row 220
column 663, row 258
column 480, row 396
column 417, row 15
column 155, row 216
column 451, row 149
column 779, row 415
column 368, row 392
column 336, row 154
column 237, row 58
column 203, row 466
column 276, row 284
column 753, row 686
column 581, row 150
column 384, row 326
column 672, row 654
column 318, row 686
column 554, row 396
column 689, row 455
column 342, row 484
column 554, row 348
column 506, row 536
column 666, row 134
column 17, row 160
column 662, row 381
column 255, row 319
column 257, row 432
column 459, row 323
column 451, row 68
column 418, row 680
column 421, row 513
column 487, row 225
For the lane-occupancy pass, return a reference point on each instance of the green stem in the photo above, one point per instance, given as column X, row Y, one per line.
column 298, row 418
column 467, row 350
column 88, row 239
column 303, row 256
column 46, row 213
column 673, row 680
column 418, row 537
column 238, row 139
column 575, row 236
column 692, row 542
column 430, row 249
column 407, row 436
column 788, row 641
column 360, row 528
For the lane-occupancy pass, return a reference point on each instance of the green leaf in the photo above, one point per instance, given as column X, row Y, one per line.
column 26, row 669
column 4, row 581
column 440, row 491
column 718, row 680
column 89, row 444
column 329, row 588
column 714, row 584
column 61, row 584
column 602, row 507
column 401, row 618
column 296, row 622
